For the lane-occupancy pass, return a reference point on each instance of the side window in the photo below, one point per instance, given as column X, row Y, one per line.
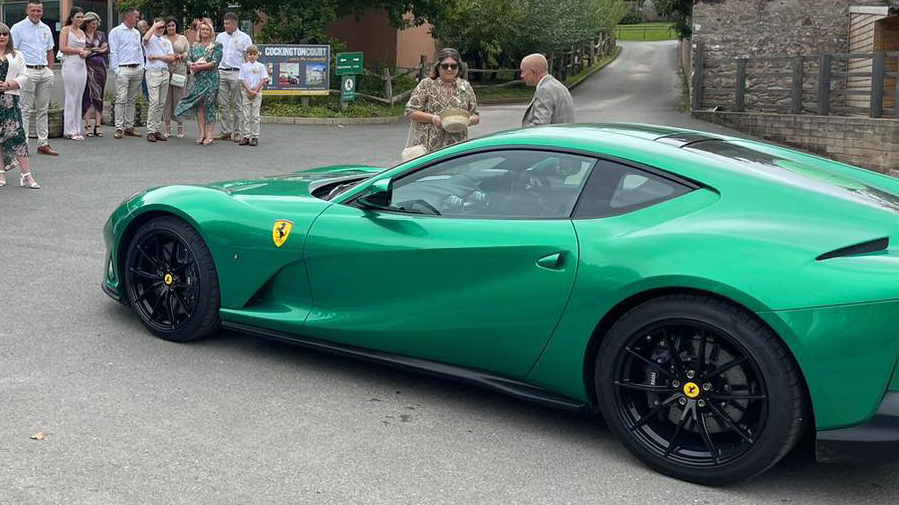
column 614, row 189
column 512, row 184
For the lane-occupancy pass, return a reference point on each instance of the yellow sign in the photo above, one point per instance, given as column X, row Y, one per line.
column 168, row 279
column 691, row 390
column 281, row 231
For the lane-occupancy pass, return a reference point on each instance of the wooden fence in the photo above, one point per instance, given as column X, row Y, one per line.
column 561, row 64
column 644, row 31
column 824, row 84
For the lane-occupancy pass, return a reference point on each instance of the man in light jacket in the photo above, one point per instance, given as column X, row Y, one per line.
column 552, row 102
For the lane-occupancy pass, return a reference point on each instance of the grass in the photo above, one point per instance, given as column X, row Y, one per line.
column 327, row 107
column 646, row 32
column 522, row 93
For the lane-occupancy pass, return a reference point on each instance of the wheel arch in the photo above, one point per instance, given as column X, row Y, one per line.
column 615, row 313
column 145, row 216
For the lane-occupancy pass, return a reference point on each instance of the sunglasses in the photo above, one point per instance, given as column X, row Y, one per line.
column 449, row 66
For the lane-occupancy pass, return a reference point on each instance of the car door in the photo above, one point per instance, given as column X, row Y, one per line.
column 472, row 264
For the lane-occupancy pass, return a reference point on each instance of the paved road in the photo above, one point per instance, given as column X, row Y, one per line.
column 132, row 419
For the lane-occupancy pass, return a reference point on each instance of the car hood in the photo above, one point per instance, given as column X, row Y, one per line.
column 292, row 184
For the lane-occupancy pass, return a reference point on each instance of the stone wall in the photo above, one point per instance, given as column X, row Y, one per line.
column 864, row 142
column 731, row 29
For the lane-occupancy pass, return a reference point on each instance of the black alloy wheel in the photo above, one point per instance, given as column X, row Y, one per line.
column 699, row 389
column 171, row 280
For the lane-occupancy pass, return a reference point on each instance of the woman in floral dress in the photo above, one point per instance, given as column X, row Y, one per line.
column 12, row 134
column 445, row 88
column 202, row 61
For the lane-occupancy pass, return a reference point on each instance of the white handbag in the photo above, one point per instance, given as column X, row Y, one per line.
column 178, row 80
column 412, row 151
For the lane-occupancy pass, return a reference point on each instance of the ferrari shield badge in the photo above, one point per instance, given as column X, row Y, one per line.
column 281, row 231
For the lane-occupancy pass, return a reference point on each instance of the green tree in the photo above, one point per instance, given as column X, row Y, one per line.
column 681, row 11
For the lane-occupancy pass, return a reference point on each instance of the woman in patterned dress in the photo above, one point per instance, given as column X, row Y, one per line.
column 445, row 87
column 12, row 134
column 202, row 61
column 92, row 101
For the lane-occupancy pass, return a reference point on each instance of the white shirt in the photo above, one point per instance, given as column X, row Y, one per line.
column 34, row 40
column 253, row 73
column 125, row 47
column 234, row 48
column 158, row 46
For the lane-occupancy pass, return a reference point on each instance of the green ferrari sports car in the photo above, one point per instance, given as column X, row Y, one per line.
column 714, row 298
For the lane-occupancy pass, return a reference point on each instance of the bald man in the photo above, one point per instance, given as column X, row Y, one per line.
column 552, row 103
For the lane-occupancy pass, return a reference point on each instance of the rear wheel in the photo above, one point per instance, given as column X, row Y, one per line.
column 699, row 389
column 171, row 280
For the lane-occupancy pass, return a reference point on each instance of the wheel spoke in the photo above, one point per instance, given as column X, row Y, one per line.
column 723, row 368
column 170, row 304
column 644, row 387
column 143, row 274
column 673, row 352
column 706, row 436
column 182, row 266
column 677, row 431
column 148, row 257
column 184, row 307
column 147, row 291
column 154, row 314
column 655, row 410
column 700, row 356
column 729, row 422
column 736, row 397
column 650, row 363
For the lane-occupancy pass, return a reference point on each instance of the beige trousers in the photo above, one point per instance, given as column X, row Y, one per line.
column 35, row 98
column 251, row 110
column 127, row 86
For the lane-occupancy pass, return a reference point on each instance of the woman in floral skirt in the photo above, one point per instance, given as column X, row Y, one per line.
column 12, row 134
column 203, row 61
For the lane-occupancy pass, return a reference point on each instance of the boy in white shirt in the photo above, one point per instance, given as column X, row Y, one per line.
column 253, row 77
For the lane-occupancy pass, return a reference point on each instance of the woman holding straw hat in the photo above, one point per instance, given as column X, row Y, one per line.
column 442, row 106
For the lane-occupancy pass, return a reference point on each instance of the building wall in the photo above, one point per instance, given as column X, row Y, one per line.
column 412, row 43
column 371, row 34
column 864, row 142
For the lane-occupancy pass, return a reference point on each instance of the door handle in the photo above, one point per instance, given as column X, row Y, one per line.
column 551, row 262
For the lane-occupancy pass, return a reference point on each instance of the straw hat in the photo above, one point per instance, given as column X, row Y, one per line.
column 454, row 119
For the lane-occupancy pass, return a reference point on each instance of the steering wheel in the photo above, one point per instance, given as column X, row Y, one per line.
column 416, row 206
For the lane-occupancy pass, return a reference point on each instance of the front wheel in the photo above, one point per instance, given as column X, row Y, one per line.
column 171, row 280
column 699, row 389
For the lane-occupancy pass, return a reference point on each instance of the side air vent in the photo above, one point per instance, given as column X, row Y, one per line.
column 870, row 246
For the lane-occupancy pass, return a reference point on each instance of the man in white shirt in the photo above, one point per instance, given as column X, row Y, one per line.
column 234, row 49
column 35, row 40
column 159, row 54
column 126, row 61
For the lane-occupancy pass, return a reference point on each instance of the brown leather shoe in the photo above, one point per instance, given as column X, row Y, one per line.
column 49, row 151
column 151, row 137
column 129, row 132
column 254, row 142
column 224, row 136
column 237, row 138
column 244, row 142
column 160, row 137
column 118, row 133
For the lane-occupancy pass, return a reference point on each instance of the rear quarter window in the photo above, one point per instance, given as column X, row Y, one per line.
column 614, row 189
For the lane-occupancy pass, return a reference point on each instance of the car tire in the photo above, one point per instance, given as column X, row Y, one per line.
column 726, row 417
column 171, row 280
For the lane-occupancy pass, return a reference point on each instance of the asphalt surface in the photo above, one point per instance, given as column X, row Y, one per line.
column 130, row 419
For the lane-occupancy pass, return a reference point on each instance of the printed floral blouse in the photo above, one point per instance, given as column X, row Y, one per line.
column 432, row 97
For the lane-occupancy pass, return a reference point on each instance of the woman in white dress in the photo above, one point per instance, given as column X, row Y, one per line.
column 73, row 45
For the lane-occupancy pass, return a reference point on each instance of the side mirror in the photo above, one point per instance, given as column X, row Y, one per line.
column 378, row 195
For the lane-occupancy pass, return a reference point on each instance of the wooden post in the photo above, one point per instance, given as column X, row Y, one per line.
column 824, row 85
column 796, row 93
column 422, row 67
column 877, row 69
column 896, row 92
column 388, row 85
column 740, row 90
column 697, row 76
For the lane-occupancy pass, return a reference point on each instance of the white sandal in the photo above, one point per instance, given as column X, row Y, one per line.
column 33, row 185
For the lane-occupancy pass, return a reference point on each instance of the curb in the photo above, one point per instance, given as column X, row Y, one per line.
column 331, row 121
column 614, row 57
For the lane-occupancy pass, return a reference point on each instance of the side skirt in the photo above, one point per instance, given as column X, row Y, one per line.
column 511, row 387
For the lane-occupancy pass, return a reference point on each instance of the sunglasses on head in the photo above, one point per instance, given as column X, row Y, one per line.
column 449, row 66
